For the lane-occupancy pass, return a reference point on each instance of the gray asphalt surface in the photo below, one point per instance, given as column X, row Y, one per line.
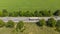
column 26, row 19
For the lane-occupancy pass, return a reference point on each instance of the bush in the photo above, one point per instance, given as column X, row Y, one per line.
column 41, row 22
column 2, row 23
column 37, row 14
column 57, row 13
column 51, row 22
column 4, row 12
column 46, row 13
column 10, row 24
column 58, row 25
column 20, row 25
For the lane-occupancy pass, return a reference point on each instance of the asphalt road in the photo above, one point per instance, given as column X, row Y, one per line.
column 26, row 19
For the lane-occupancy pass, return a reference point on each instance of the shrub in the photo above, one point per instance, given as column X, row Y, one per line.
column 20, row 25
column 10, row 24
column 58, row 25
column 51, row 22
column 2, row 23
column 37, row 13
column 4, row 12
column 57, row 13
column 45, row 13
column 41, row 22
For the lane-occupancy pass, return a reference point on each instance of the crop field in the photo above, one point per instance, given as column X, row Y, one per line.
column 12, row 5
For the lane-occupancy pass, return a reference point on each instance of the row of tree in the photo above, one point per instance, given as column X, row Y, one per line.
column 11, row 24
column 50, row 23
column 42, row 13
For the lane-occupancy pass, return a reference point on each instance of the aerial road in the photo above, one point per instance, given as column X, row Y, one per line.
column 26, row 19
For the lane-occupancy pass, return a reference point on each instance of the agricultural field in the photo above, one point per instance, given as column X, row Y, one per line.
column 30, row 28
column 15, row 5
column 17, row 8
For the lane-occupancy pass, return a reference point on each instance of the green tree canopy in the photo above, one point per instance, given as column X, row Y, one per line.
column 58, row 23
column 10, row 24
column 51, row 22
column 57, row 13
column 41, row 22
column 2, row 23
column 4, row 12
column 20, row 25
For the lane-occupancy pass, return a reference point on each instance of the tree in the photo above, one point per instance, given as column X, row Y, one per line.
column 2, row 23
column 58, row 25
column 32, row 14
column 51, row 22
column 20, row 25
column 21, row 13
column 27, row 14
column 10, row 14
column 5, row 12
column 15, row 14
column 37, row 14
column 10, row 24
column 45, row 13
column 1, row 14
column 57, row 13
column 41, row 22
column 50, row 13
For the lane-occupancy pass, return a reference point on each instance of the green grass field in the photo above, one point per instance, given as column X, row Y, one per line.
column 30, row 28
column 31, row 5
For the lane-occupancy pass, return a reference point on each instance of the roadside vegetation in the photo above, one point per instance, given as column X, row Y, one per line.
column 2, row 23
column 10, row 24
column 42, row 13
column 58, row 25
column 51, row 22
column 21, row 27
column 41, row 22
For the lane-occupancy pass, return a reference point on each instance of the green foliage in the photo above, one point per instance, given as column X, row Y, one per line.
column 50, row 13
column 27, row 14
column 15, row 14
column 21, row 13
column 20, row 25
column 10, row 24
column 37, row 13
column 58, row 23
column 4, row 12
column 42, row 13
column 1, row 14
column 45, row 13
column 2, row 23
column 10, row 14
column 41, row 22
column 51, row 22
column 57, row 13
